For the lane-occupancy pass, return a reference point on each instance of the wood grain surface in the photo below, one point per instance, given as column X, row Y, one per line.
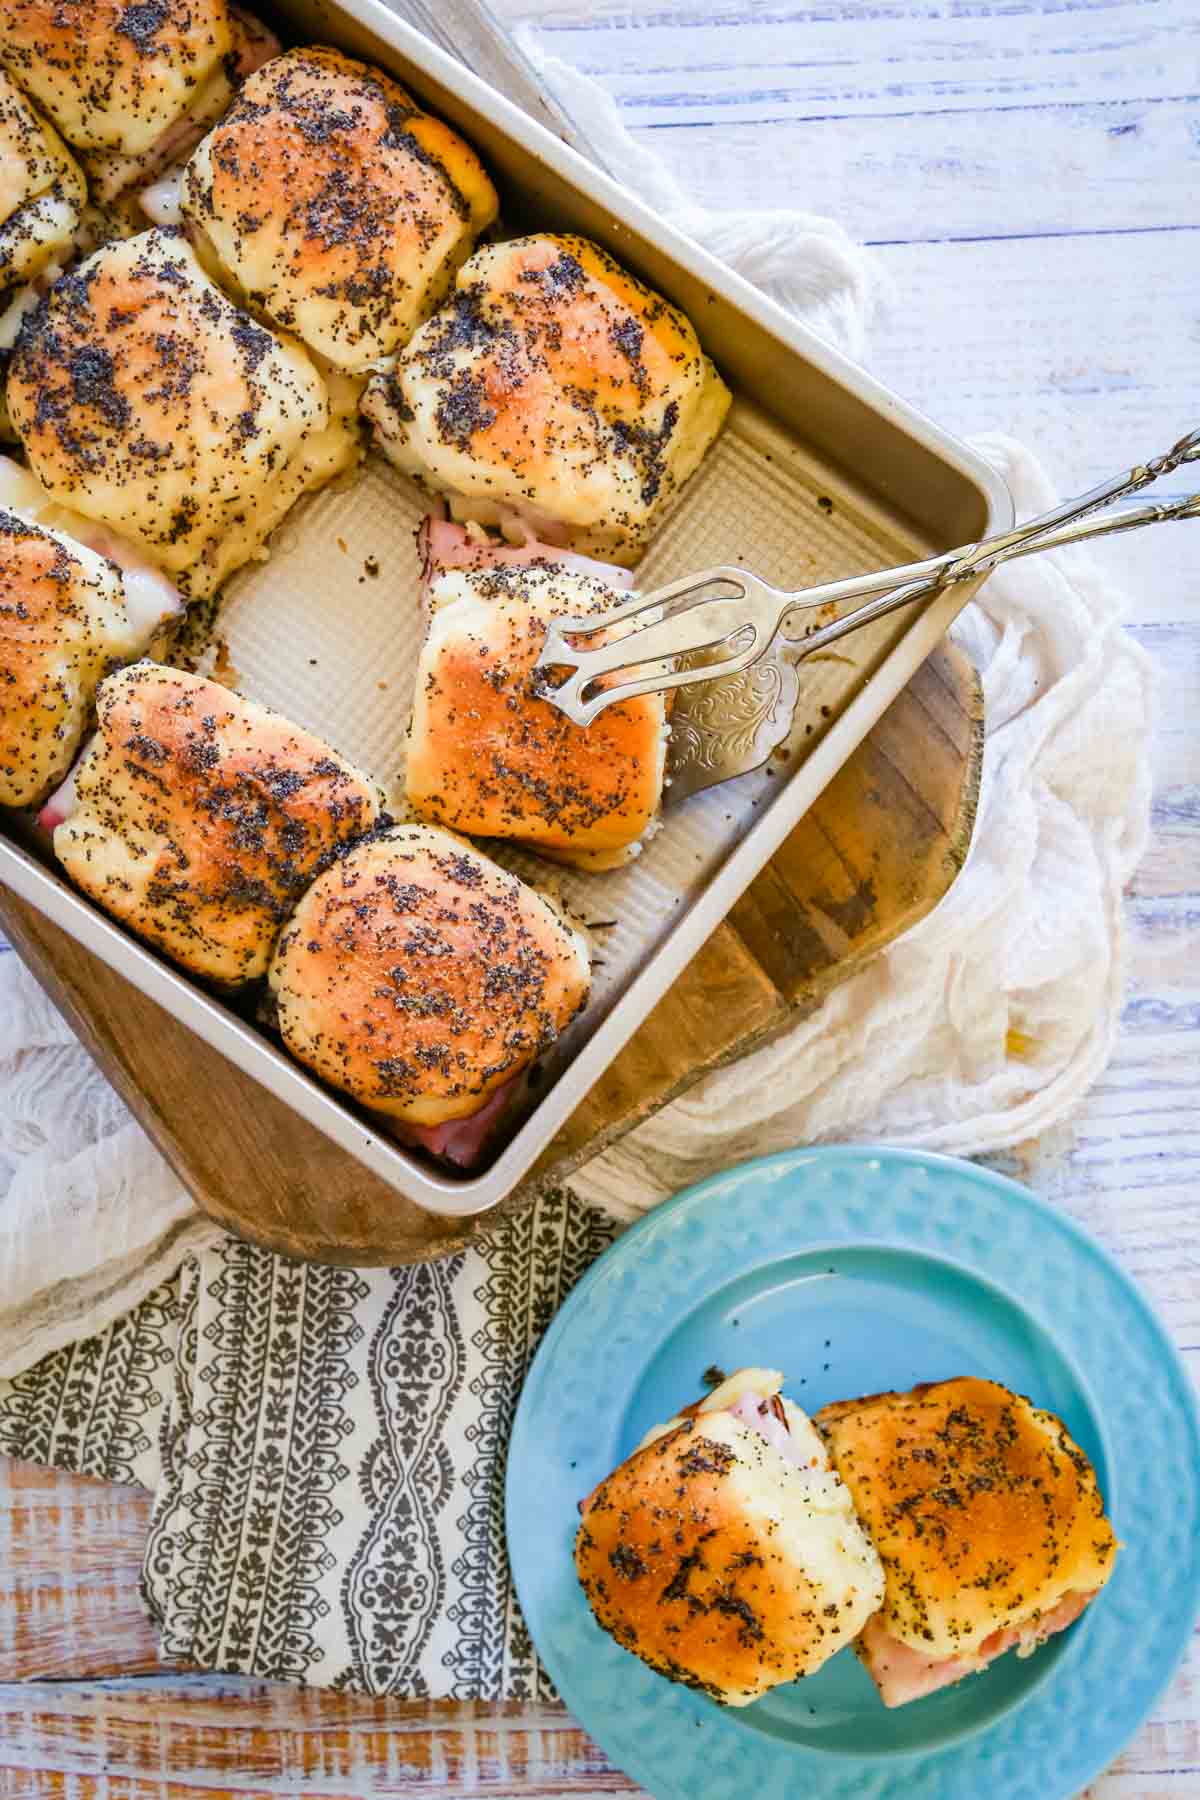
column 1029, row 175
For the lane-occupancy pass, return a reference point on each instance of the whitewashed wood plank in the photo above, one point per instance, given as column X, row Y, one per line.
column 198, row 1736
column 1082, row 347
column 1120, row 166
column 689, row 63
column 70, row 1559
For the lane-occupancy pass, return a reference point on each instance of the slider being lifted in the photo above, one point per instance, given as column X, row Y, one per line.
column 488, row 754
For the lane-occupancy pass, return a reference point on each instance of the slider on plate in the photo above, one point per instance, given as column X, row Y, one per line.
column 988, row 1520
column 147, row 401
column 552, row 396
column 725, row 1551
column 334, row 205
column 68, row 614
column 422, row 979
column 131, row 86
column 198, row 818
column 42, row 194
column 487, row 754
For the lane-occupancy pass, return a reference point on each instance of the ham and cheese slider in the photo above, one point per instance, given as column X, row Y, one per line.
column 147, row 401
column 131, row 84
column 725, row 1551
column 487, row 754
column 42, row 195
column 198, row 818
column 335, row 206
column 987, row 1518
column 422, row 979
column 552, row 396
column 68, row 614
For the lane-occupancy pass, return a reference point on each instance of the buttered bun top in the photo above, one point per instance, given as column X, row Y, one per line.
column 987, row 1516
column 552, row 394
column 114, row 174
column 335, row 205
column 113, row 74
column 198, row 818
column 147, row 401
column 62, row 623
column 420, row 977
column 41, row 197
column 725, row 1551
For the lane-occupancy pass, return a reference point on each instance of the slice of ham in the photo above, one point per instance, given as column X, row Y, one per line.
column 462, row 1141
column 63, row 801
column 762, row 1417
column 150, row 599
column 519, row 524
column 253, row 43
column 903, row 1674
column 444, row 545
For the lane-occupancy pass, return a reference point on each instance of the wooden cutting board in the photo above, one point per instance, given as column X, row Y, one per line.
column 876, row 853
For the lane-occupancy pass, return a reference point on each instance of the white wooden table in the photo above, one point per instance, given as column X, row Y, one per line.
column 1028, row 172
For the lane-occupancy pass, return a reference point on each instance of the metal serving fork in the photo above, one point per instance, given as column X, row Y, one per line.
column 731, row 618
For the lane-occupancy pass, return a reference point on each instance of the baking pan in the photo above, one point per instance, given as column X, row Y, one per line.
column 821, row 472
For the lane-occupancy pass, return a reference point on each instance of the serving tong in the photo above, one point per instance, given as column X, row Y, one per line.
column 719, row 626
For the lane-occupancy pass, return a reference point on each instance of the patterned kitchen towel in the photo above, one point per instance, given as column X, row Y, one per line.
column 100, row 1406
column 327, row 1452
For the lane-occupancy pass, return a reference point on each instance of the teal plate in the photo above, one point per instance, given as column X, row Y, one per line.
column 855, row 1270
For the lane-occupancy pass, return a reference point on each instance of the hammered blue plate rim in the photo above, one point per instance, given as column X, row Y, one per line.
column 1054, row 1742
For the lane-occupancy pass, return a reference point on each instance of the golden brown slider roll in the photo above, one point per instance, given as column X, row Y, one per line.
column 149, row 598
column 42, row 194
column 423, row 979
column 725, row 1551
column 113, row 74
column 335, row 205
column 487, row 754
column 987, row 1517
column 198, row 818
column 66, row 618
column 148, row 402
column 553, row 396
column 152, row 176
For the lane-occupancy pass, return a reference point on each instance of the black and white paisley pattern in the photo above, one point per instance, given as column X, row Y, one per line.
column 96, row 1407
column 395, row 1582
column 253, row 1529
column 173, row 1447
column 328, row 1452
column 528, row 1267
